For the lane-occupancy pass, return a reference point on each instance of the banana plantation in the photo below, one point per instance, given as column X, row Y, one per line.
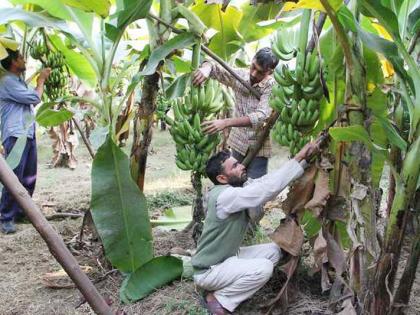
column 119, row 210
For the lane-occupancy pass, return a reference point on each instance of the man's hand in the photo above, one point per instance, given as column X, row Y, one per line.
column 43, row 75
column 307, row 151
column 213, row 126
column 201, row 74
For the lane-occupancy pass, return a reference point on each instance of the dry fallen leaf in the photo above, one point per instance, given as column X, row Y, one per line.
column 320, row 195
column 301, row 191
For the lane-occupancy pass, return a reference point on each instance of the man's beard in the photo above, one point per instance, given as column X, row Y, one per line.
column 238, row 181
column 252, row 80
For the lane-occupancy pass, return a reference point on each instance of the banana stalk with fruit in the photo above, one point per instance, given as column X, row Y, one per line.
column 299, row 92
column 193, row 147
column 56, row 84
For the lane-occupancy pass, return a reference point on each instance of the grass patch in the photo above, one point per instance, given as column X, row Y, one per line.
column 174, row 305
column 169, row 199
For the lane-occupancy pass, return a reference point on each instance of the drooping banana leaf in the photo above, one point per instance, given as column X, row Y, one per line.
column 119, row 210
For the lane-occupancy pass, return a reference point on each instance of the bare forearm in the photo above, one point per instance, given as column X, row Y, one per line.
column 40, row 87
column 238, row 122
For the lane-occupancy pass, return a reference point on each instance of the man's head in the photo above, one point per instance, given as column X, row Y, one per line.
column 263, row 65
column 222, row 169
column 14, row 62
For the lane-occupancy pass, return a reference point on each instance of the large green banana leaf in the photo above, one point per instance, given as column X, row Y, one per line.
column 154, row 274
column 100, row 7
column 8, row 15
column 119, row 210
column 47, row 116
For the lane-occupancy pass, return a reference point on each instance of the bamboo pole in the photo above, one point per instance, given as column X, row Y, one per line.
column 54, row 242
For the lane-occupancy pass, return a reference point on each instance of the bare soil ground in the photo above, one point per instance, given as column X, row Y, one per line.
column 25, row 259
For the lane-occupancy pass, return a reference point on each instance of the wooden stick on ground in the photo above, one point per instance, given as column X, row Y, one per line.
column 54, row 242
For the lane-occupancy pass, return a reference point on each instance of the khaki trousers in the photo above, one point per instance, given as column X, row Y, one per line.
column 239, row 277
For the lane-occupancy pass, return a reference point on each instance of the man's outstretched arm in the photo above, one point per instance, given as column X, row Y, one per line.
column 234, row 199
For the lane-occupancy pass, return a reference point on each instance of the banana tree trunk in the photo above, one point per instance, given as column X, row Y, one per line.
column 198, row 207
column 143, row 124
column 395, row 231
column 402, row 294
column 358, row 158
column 143, row 121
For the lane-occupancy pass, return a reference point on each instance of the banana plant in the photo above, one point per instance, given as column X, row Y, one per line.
column 118, row 207
column 351, row 34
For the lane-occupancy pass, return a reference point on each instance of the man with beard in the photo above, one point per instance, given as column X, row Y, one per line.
column 17, row 120
column 229, row 272
column 250, row 112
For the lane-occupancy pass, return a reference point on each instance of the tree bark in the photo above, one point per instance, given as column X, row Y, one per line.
column 395, row 231
column 402, row 294
column 143, row 124
column 54, row 242
column 198, row 207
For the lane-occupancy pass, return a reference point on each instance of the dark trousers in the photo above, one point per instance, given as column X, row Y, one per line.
column 26, row 173
column 258, row 166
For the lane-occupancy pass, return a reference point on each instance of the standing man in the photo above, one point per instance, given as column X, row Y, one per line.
column 250, row 113
column 230, row 273
column 17, row 102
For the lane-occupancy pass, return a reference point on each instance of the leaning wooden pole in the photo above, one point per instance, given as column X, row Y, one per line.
column 54, row 242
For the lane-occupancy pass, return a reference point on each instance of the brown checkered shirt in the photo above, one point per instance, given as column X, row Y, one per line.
column 241, row 138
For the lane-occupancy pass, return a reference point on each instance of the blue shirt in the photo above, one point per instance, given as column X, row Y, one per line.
column 17, row 102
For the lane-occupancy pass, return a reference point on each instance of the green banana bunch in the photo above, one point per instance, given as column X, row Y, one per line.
column 56, row 83
column 297, row 98
column 279, row 48
column 162, row 107
column 192, row 145
column 37, row 50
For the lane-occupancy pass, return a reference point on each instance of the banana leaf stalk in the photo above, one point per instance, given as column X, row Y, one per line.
column 395, row 233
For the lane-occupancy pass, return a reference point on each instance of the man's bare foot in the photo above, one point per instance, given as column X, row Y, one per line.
column 214, row 306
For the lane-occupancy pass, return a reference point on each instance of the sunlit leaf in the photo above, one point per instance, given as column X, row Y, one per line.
column 386, row 17
column 100, row 7
column 55, row 8
column 8, row 15
column 311, row 4
column 225, row 23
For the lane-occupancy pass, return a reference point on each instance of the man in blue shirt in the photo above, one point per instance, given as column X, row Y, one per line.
column 17, row 102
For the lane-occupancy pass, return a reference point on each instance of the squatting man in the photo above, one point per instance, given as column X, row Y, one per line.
column 230, row 273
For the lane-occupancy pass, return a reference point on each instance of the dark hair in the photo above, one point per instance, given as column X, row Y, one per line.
column 214, row 165
column 7, row 62
column 266, row 58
